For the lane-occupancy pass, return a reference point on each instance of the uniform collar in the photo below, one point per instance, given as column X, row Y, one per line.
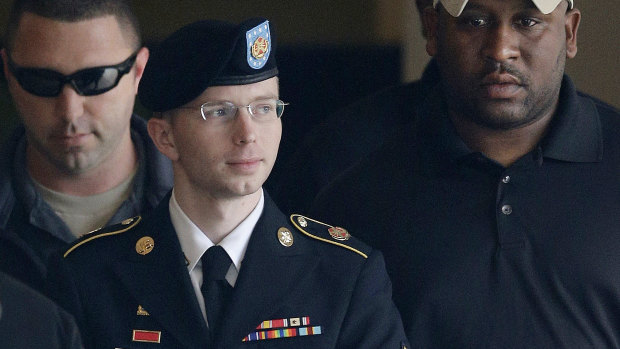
column 194, row 242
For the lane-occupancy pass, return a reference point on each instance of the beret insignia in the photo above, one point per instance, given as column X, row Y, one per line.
column 258, row 41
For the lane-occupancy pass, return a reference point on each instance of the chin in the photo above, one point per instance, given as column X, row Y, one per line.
column 501, row 117
column 245, row 189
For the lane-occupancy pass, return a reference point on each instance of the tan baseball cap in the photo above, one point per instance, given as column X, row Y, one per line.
column 455, row 7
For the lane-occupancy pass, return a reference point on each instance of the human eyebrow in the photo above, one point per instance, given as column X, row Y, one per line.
column 530, row 15
column 266, row 97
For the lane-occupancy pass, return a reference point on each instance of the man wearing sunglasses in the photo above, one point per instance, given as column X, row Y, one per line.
column 80, row 159
column 217, row 264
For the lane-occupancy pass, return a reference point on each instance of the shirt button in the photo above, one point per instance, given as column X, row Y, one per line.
column 506, row 209
column 506, row 180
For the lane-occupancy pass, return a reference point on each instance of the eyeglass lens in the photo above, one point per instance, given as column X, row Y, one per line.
column 263, row 109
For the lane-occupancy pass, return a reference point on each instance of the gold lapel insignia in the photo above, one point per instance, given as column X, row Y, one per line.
column 285, row 237
column 145, row 245
column 340, row 234
column 142, row 312
column 128, row 221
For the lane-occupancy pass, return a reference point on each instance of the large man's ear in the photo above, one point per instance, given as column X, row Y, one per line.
column 160, row 130
column 571, row 25
column 430, row 20
column 141, row 59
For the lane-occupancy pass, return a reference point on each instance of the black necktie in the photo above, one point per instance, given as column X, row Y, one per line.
column 215, row 289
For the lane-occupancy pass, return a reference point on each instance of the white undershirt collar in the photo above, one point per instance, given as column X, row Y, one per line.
column 194, row 243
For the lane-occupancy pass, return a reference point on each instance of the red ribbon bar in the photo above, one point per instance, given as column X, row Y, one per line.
column 146, row 336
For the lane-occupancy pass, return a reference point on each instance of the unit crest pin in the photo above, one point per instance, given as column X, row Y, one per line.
column 338, row 233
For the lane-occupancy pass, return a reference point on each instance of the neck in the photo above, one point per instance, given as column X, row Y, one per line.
column 112, row 171
column 216, row 217
column 503, row 146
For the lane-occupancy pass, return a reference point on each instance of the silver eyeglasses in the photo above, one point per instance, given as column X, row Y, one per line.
column 261, row 110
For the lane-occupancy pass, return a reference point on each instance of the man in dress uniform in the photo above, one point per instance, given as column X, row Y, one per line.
column 218, row 265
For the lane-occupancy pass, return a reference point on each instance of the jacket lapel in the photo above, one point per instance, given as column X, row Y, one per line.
column 159, row 281
column 268, row 274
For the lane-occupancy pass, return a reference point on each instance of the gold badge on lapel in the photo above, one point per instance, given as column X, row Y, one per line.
column 340, row 234
column 285, row 237
column 145, row 245
column 142, row 312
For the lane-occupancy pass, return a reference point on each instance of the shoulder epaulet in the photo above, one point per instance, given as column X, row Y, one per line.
column 330, row 234
column 106, row 231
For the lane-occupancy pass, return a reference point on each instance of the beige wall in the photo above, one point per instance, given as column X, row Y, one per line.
column 595, row 69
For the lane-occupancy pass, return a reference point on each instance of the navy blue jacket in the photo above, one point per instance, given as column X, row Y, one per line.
column 30, row 321
column 30, row 232
column 341, row 287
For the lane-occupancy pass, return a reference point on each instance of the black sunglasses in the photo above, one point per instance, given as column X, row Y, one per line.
column 86, row 82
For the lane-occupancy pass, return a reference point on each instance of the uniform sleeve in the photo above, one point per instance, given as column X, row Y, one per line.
column 372, row 320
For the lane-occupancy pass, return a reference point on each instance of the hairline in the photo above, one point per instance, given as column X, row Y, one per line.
column 126, row 20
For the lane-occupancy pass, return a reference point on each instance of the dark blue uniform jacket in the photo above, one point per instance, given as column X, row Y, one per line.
column 341, row 287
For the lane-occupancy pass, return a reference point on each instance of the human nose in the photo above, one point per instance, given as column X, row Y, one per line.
column 245, row 127
column 69, row 104
column 502, row 44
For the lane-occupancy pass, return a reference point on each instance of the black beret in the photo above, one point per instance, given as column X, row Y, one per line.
column 203, row 54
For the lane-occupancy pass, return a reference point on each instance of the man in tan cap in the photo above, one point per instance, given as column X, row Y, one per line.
column 497, row 208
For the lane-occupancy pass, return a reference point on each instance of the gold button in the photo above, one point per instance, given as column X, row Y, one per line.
column 302, row 221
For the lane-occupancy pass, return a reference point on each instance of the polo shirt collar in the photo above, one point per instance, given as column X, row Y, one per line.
column 574, row 135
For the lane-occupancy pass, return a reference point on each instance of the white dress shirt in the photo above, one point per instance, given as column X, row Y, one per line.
column 195, row 243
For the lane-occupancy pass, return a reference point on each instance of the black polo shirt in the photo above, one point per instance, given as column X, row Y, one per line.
column 483, row 256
